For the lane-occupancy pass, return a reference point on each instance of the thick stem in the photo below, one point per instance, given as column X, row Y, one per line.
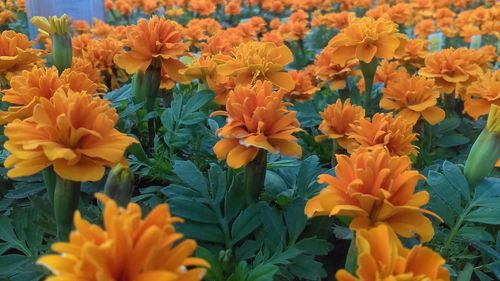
column 49, row 180
column 344, row 94
column 450, row 104
column 368, row 70
column 255, row 176
column 335, row 148
column 351, row 261
column 66, row 197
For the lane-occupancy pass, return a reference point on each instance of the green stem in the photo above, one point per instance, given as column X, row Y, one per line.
column 335, row 148
column 255, row 176
column 368, row 70
column 450, row 104
column 351, row 262
column 344, row 94
column 455, row 229
column 66, row 197
column 49, row 179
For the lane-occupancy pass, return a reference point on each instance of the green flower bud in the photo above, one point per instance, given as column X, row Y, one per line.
column 120, row 184
column 486, row 150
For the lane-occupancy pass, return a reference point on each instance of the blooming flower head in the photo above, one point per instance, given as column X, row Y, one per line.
column 204, row 68
column 305, row 84
column 373, row 188
column 424, row 28
column 481, row 94
column 128, row 247
column 330, row 72
column 414, row 97
column 366, row 39
column 451, row 69
column 30, row 86
column 381, row 256
column 395, row 134
column 257, row 119
column 157, row 40
column 72, row 131
column 414, row 52
column 337, row 120
column 385, row 74
column 258, row 61
column 17, row 54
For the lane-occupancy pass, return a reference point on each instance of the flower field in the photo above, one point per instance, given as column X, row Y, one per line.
column 251, row 140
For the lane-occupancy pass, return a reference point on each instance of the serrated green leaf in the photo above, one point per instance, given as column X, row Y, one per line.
column 466, row 273
column 190, row 209
column 201, row 231
column 190, row 175
column 11, row 263
column 247, row 250
column 245, row 223
column 452, row 140
column 314, row 246
column 295, row 219
column 263, row 272
column 272, row 224
column 7, row 234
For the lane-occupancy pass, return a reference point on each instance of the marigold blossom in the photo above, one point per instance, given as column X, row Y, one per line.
column 257, row 119
column 73, row 132
column 373, row 188
column 381, row 256
column 128, row 247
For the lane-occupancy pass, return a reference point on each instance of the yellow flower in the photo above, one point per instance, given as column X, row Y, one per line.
column 366, row 38
column 414, row 97
column 127, row 248
column 155, row 40
column 257, row 119
column 30, row 86
column 16, row 53
column 72, row 131
column 381, row 256
column 451, row 69
column 481, row 94
column 373, row 188
column 395, row 134
column 258, row 61
column 337, row 121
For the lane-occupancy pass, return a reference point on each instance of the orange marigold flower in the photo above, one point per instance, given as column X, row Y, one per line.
column 365, row 39
column 468, row 31
column 337, row 121
column 30, row 86
column 381, row 256
column 73, row 132
column 379, row 11
column 6, row 16
column 395, row 134
column 87, row 67
column 81, row 26
column 128, row 247
column 374, row 188
column 223, row 42
column 80, row 43
column 254, row 61
column 414, row 52
column 481, row 94
column 205, row 69
column 451, row 68
column 273, row 36
column 16, row 53
column 101, row 29
column 401, row 13
column 414, row 97
column 424, row 28
column 233, row 7
column 305, row 84
column 202, row 7
column 157, row 40
column 257, row 119
column 330, row 72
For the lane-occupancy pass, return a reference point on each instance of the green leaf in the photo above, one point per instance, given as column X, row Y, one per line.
column 7, row 234
column 235, row 198
column 192, row 210
column 245, row 223
column 263, row 272
column 481, row 276
column 466, row 273
column 218, row 182
column 190, row 175
column 272, row 224
column 247, row 250
column 24, row 192
column 485, row 215
column 167, row 119
column 457, row 179
column 274, row 184
column 445, row 200
column 137, row 150
column 305, row 267
column 193, row 118
column 12, row 263
column 295, row 219
column 452, row 140
column 201, row 231
column 215, row 272
column 197, row 101
column 314, row 246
